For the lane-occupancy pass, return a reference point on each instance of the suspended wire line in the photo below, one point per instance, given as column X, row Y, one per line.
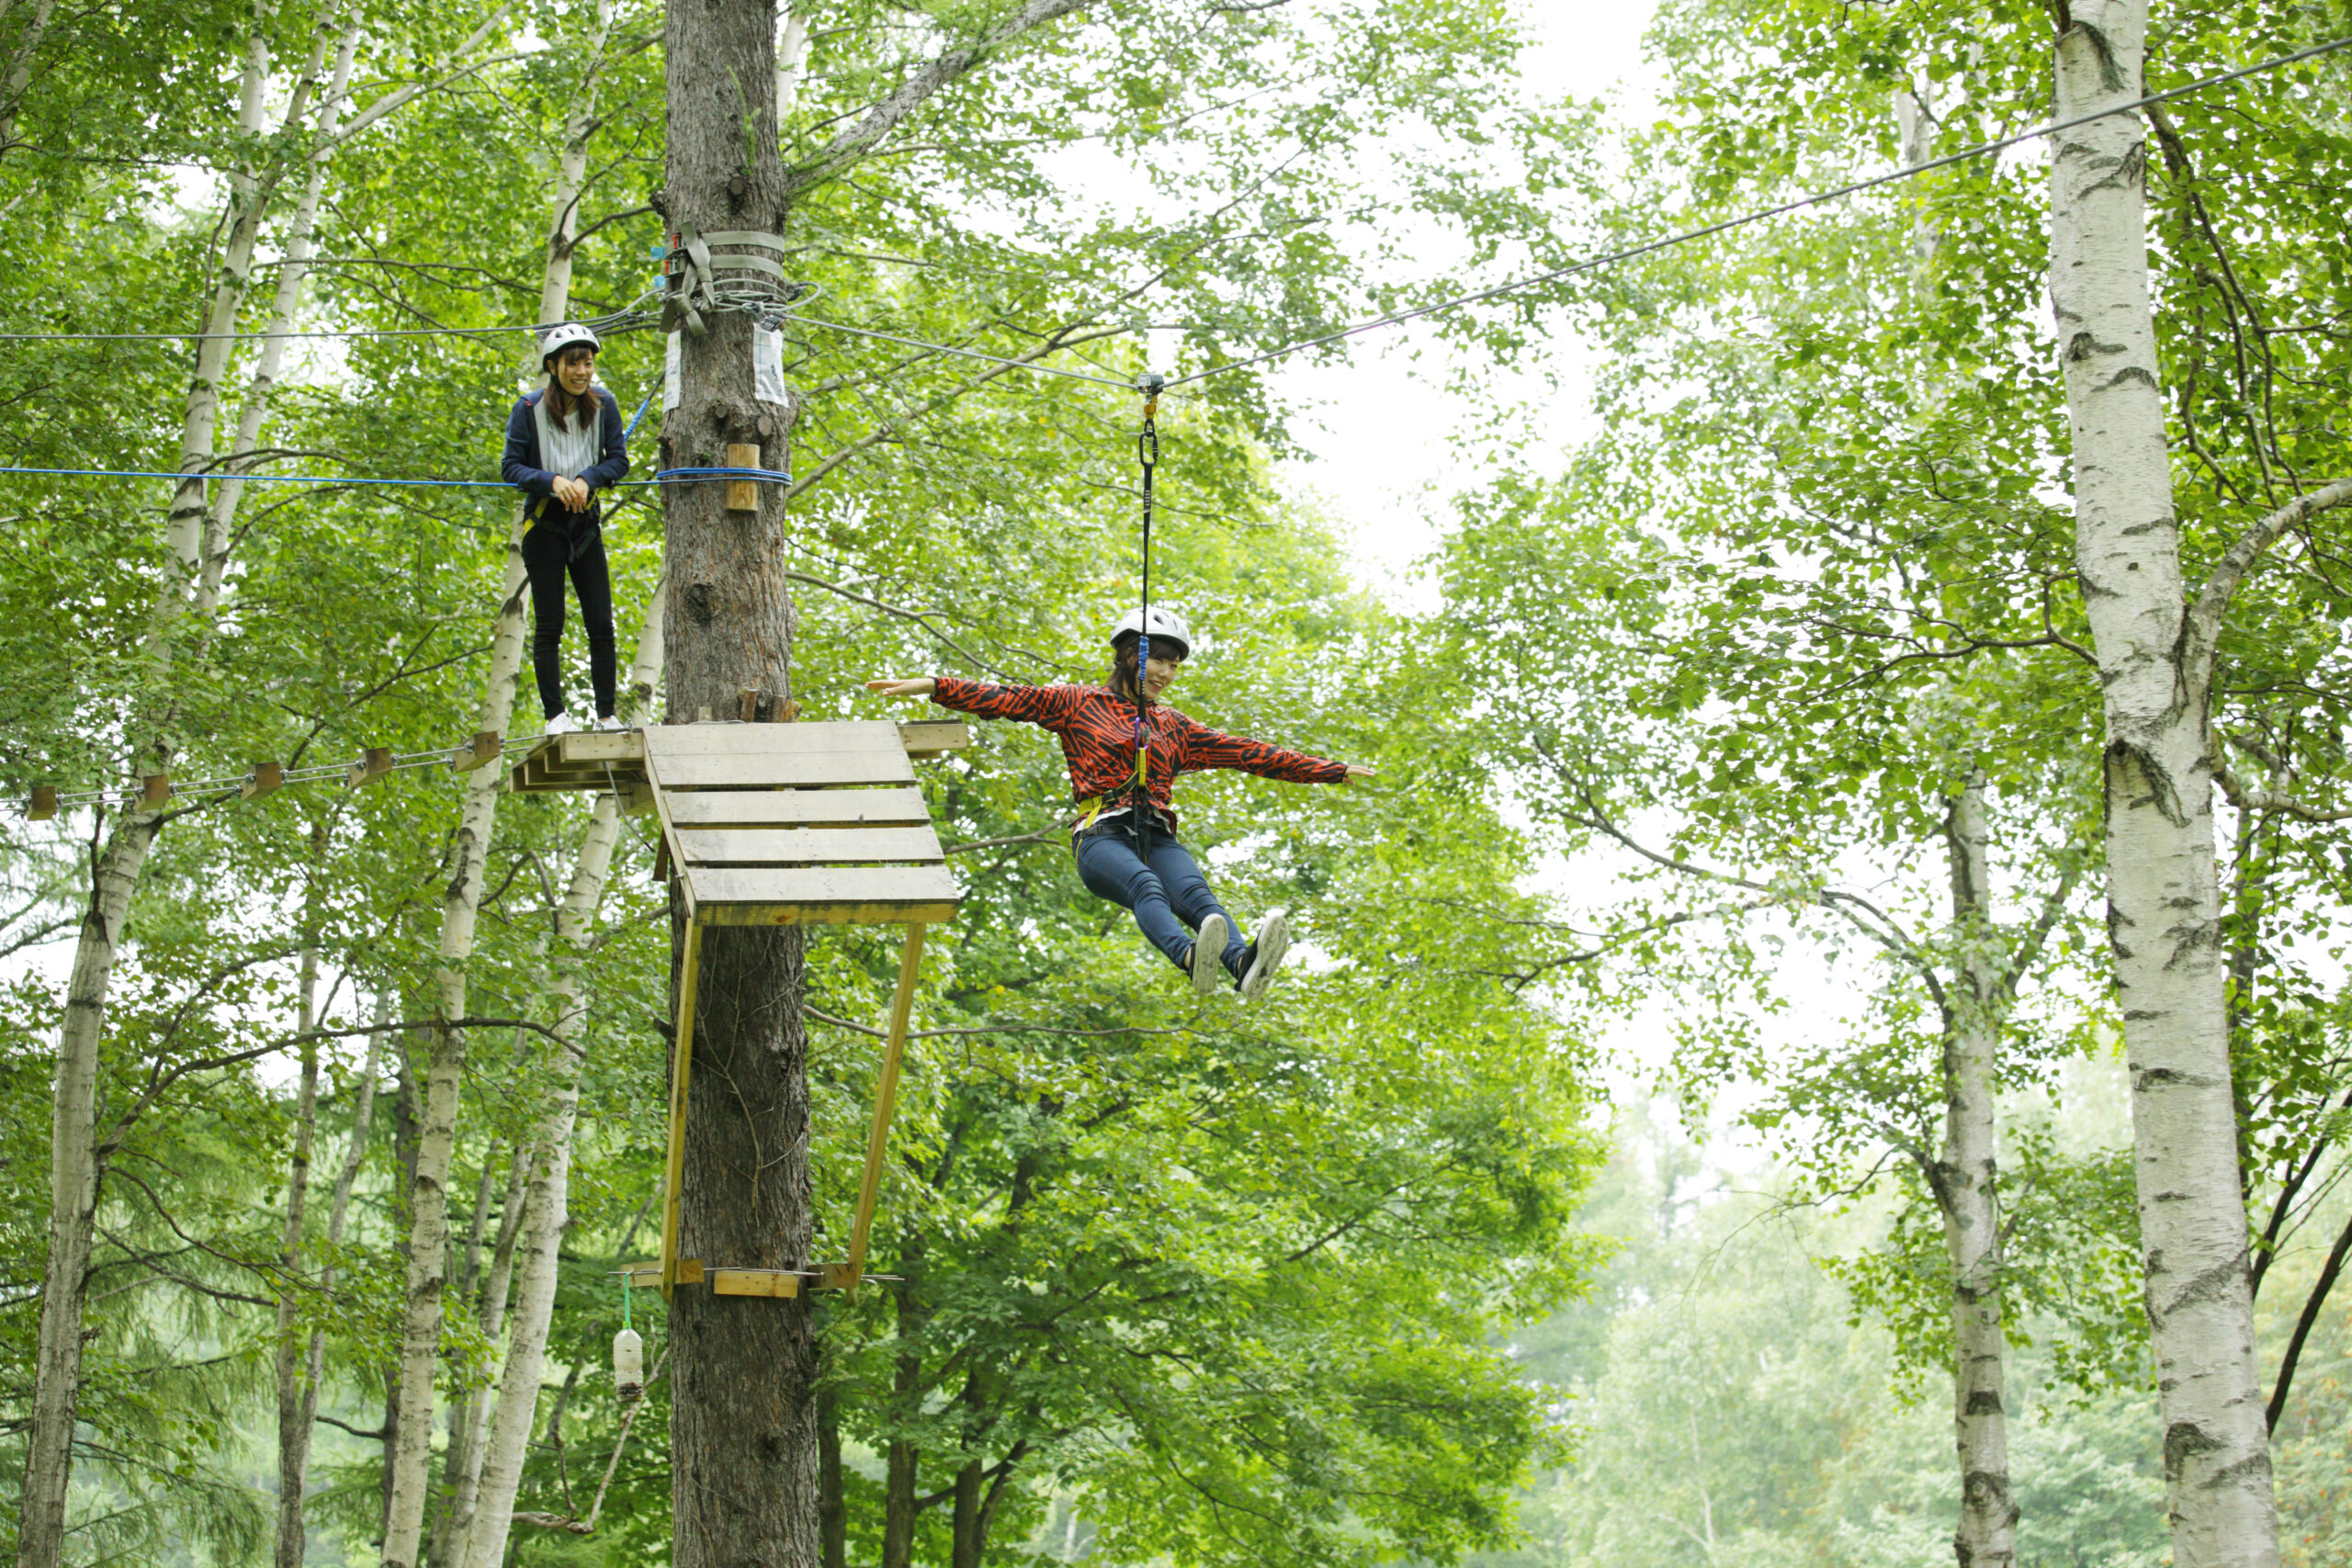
column 1632, row 253
column 403, row 761
column 627, row 318
column 1125, row 386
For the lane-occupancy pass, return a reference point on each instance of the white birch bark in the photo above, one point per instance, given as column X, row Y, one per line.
column 470, row 1415
column 421, row 1326
column 1966, row 1173
column 518, row 1386
column 293, row 1417
column 2163, row 897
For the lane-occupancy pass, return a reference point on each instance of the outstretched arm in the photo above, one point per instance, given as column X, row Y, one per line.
column 1206, row 747
column 1048, row 705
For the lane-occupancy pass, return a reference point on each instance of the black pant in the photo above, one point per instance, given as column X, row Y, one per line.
column 547, row 552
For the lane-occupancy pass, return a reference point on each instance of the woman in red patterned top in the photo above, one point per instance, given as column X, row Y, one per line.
column 1156, row 879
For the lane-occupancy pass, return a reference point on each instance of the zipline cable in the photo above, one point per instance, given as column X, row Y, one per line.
column 1147, row 455
column 1909, row 171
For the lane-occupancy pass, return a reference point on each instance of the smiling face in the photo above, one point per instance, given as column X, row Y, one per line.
column 575, row 367
column 1158, row 675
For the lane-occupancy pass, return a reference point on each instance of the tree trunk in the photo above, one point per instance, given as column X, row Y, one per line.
column 293, row 1416
column 2162, row 903
column 832, row 1504
column 964, row 1549
column 898, row 1507
column 548, row 1204
column 743, row 1426
column 461, row 1458
column 1965, row 1175
column 73, row 1198
column 411, row 1454
column 294, row 1460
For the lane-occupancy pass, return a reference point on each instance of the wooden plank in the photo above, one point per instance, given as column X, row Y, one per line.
column 916, row 914
column 265, row 778
column 595, row 747
column 682, row 1061
column 886, row 1096
column 650, row 1278
column 935, row 737
column 782, row 887
column 754, row 1283
column 372, row 764
column 807, row 846
column 781, row 769
column 742, row 495
column 799, row 808
column 879, row 735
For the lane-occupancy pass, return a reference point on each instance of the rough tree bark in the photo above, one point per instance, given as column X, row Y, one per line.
column 2163, row 902
column 547, row 1206
column 743, row 1428
column 743, row 1431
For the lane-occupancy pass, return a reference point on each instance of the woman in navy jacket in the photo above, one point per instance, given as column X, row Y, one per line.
column 564, row 443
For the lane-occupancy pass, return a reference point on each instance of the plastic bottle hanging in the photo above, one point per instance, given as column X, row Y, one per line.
column 628, row 1355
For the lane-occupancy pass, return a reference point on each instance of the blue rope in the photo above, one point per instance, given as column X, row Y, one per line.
column 772, row 475
column 638, row 417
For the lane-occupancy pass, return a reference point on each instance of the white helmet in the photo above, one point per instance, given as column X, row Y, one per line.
column 1165, row 624
column 563, row 337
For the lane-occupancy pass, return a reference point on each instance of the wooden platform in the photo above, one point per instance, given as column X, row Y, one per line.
column 777, row 825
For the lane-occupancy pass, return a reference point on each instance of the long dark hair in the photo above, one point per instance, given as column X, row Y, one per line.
column 1123, row 664
column 563, row 405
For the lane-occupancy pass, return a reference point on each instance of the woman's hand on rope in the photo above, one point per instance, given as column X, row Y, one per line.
column 573, row 493
column 920, row 686
column 1358, row 771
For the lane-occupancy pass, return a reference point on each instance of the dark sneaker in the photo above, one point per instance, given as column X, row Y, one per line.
column 1208, row 950
column 1264, row 956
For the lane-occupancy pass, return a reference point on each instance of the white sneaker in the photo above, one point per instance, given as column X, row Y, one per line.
column 1265, row 955
column 563, row 724
column 610, row 725
column 1208, row 954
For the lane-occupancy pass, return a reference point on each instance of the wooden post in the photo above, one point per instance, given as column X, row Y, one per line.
column 742, row 495
column 886, row 1097
column 265, row 777
column 682, row 1060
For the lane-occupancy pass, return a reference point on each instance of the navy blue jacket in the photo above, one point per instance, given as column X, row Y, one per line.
column 522, row 465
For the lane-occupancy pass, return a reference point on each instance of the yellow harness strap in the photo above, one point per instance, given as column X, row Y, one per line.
column 1134, row 786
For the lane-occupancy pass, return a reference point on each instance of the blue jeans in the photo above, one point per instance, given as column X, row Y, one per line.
column 1168, row 890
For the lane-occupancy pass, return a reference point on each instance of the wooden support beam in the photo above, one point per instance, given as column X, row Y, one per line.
column 263, row 778
column 370, row 765
column 682, row 1066
column 650, row 1277
column 886, row 1097
column 154, row 790
column 781, row 1283
column 43, row 805
column 742, row 495
column 485, row 748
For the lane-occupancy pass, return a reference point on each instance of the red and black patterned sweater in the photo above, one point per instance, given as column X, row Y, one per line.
column 1097, row 728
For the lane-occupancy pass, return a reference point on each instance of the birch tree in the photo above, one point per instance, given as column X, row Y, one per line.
column 409, row 1463
column 547, row 1211
column 2156, row 632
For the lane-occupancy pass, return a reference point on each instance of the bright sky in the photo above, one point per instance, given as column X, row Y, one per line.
column 1383, row 449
